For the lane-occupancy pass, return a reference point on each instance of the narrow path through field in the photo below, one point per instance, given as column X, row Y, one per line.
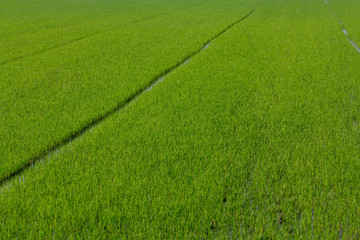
column 350, row 40
column 91, row 35
column 119, row 106
column 344, row 30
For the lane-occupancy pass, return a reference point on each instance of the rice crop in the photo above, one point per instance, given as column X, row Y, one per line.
column 256, row 136
column 48, row 97
column 347, row 13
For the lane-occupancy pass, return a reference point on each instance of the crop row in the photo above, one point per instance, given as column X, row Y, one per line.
column 348, row 13
column 28, row 28
column 48, row 97
column 254, row 137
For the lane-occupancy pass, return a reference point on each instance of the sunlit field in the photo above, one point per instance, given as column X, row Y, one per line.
column 169, row 119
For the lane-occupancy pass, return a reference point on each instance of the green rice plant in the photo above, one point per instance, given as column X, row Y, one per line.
column 49, row 97
column 347, row 12
column 32, row 27
column 256, row 137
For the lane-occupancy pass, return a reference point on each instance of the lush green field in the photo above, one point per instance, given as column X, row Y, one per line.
column 30, row 27
column 257, row 136
column 348, row 12
column 47, row 97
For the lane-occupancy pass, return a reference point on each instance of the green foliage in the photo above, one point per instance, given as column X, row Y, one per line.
column 256, row 137
column 348, row 12
column 47, row 97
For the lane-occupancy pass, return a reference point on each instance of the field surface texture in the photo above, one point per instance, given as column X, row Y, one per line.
column 251, row 132
column 47, row 97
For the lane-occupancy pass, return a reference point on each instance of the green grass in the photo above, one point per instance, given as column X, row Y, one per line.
column 256, row 137
column 348, row 12
column 31, row 27
column 47, row 97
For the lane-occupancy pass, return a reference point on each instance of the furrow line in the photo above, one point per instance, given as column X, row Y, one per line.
column 91, row 35
column 352, row 42
column 93, row 123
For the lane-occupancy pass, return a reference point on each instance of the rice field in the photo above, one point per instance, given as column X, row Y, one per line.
column 153, row 119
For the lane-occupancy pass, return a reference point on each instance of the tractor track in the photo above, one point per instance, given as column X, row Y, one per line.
column 351, row 41
column 94, row 122
column 35, row 53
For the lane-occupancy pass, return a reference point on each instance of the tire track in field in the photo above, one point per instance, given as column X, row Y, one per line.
column 352, row 42
column 15, row 59
column 94, row 122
